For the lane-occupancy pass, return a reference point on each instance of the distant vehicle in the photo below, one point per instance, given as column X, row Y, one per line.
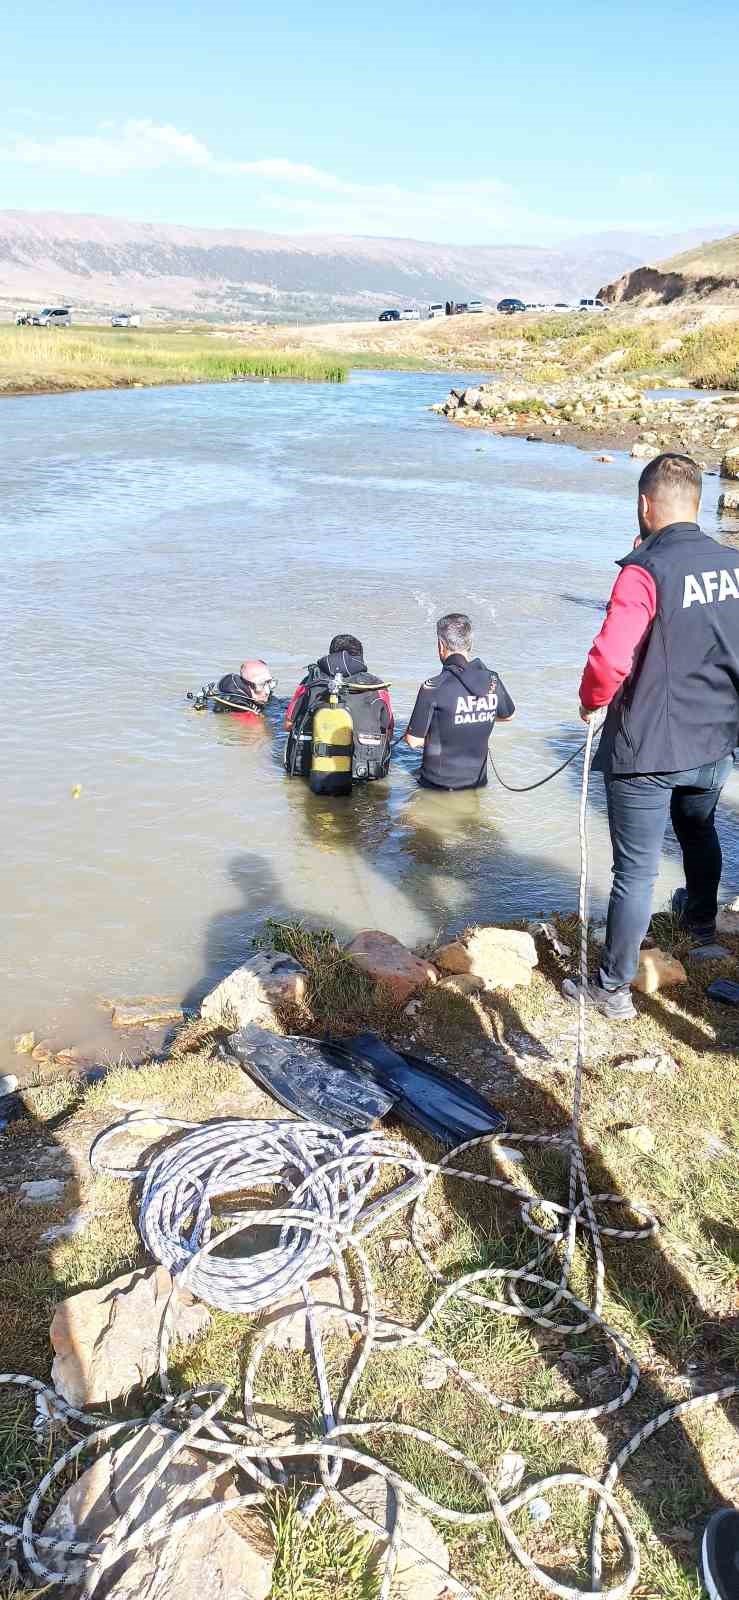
column 561, row 305
column 126, row 319
column 474, row 305
column 410, row 314
column 437, row 310
column 593, row 305
column 510, row 306
column 389, row 316
column 23, row 319
column 54, row 317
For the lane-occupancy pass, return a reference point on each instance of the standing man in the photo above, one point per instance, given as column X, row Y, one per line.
column 455, row 712
column 666, row 663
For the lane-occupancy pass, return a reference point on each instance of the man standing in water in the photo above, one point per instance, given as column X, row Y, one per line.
column 455, row 712
column 666, row 663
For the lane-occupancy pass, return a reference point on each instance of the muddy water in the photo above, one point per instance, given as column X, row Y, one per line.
column 150, row 541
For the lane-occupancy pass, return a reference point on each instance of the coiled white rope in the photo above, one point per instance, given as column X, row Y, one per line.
column 327, row 1182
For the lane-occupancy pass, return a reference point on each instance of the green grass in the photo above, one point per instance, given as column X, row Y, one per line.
column 37, row 358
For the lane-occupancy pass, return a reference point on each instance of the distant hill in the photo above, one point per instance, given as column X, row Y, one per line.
column 104, row 264
column 707, row 272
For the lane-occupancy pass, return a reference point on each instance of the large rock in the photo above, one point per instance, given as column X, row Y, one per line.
column 141, row 1016
column 730, row 464
column 415, row 1578
column 727, row 920
column 658, row 970
column 250, row 994
column 729, row 501
column 389, row 962
column 211, row 1557
column 502, row 958
column 288, row 1322
column 106, row 1340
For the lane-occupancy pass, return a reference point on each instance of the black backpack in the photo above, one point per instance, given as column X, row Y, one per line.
column 371, row 749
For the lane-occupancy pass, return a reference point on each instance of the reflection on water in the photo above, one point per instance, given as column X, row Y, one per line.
column 153, row 540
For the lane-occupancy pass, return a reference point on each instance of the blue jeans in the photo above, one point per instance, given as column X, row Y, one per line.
column 638, row 808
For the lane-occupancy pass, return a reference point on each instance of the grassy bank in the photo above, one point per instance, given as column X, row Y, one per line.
column 36, row 359
column 674, row 1298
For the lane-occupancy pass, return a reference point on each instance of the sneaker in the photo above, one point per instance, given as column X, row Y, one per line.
column 703, row 934
column 615, row 1004
column 720, row 1555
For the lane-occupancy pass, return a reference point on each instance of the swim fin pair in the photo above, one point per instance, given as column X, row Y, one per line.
column 352, row 1084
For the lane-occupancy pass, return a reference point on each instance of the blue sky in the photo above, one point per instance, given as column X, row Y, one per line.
column 472, row 124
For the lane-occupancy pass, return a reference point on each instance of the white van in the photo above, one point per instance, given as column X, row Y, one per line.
column 410, row 314
column 437, row 309
column 126, row 319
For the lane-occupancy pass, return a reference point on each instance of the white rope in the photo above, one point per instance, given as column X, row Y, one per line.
column 326, row 1182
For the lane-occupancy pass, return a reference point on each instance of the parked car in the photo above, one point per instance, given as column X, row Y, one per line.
column 390, row 316
column 510, row 306
column 126, row 319
column 410, row 314
column 437, row 310
column 474, row 305
column 54, row 317
column 593, row 305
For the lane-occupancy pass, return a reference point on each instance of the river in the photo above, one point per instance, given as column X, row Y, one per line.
column 151, row 539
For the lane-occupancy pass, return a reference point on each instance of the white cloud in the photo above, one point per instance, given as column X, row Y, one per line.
column 303, row 197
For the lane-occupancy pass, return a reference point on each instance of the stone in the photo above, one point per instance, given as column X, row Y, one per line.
column 658, row 970
column 727, row 920
column 729, row 501
column 708, row 952
column 8, row 1083
column 139, row 1016
column 223, row 1559
column 42, row 1051
column 434, row 1374
column 423, row 1559
column 24, row 1043
column 106, row 1340
column 607, row 460
column 288, row 1322
column 658, row 1066
column 539, row 1510
column 511, row 1469
column 641, row 1138
column 77, row 1223
column 42, row 1192
column 472, row 398
column 464, row 983
column 730, row 464
column 641, row 451
column 502, row 957
column 390, row 963
column 250, row 993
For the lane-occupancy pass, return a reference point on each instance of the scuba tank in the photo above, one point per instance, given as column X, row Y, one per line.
column 333, row 743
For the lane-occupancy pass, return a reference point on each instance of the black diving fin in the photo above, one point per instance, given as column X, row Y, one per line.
column 312, row 1078
column 425, row 1095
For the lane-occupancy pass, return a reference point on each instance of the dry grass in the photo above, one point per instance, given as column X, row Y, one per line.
column 675, row 1298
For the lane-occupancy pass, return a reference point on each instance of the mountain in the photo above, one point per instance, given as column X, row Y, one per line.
column 104, row 264
column 708, row 272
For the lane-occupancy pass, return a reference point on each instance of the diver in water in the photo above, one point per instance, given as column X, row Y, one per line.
column 245, row 694
column 341, row 675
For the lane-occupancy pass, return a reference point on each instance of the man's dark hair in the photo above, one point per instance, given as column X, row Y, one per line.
column 455, row 631
column 671, row 474
column 347, row 642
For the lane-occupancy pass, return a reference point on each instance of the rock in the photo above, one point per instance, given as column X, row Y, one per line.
column 641, row 451
column 42, row 1192
column 657, row 970
column 8, row 1083
column 250, row 993
column 607, row 460
column 729, row 501
column 640, row 1137
column 77, row 1223
column 464, row 983
column 389, row 962
column 659, row 1066
column 511, row 1469
column 43, row 1051
column 708, row 952
column 24, row 1043
column 288, row 1323
column 727, row 920
column 539, row 1510
column 472, row 398
column 106, row 1340
column 434, row 1375
column 139, row 1016
column 502, row 957
column 730, row 464
column 213, row 1557
column 415, row 1578
column 549, row 932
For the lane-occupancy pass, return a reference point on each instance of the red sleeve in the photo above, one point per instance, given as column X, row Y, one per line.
column 290, row 713
column 385, row 695
column 631, row 611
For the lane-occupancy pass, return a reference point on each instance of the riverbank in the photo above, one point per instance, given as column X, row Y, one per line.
column 604, row 413
column 659, row 1124
column 43, row 361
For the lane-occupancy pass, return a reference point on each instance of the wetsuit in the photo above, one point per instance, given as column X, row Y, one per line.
column 233, row 688
column 455, row 713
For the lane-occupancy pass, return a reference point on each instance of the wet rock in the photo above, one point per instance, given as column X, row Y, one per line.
column 729, row 501
column 390, row 963
column 502, row 957
column 641, row 1138
column 106, row 1340
column 250, row 993
column 472, row 398
column 730, row 464
column 658, row 970
column 213, row 1556
column 136, row 1016
column 423, row 1559
column 24, row 1043
column 42, row 1192
column 607, row 460
column 708, row 952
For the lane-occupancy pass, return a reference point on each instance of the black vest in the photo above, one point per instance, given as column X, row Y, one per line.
column 679, row 706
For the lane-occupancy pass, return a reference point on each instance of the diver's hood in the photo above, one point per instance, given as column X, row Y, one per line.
column 341, row 661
